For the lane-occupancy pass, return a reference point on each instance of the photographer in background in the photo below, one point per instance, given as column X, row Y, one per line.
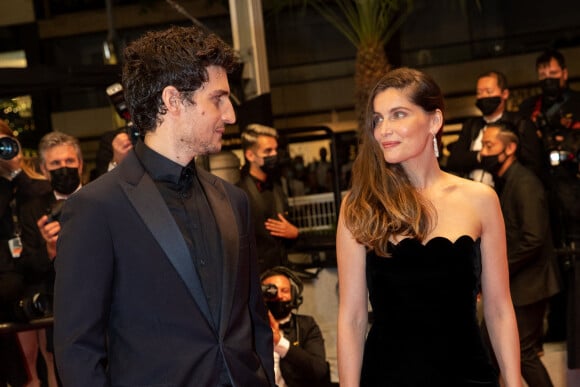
column 115, row 144
column 299, row 354
column 19, row 182
column 556, row 113
column 62, row 165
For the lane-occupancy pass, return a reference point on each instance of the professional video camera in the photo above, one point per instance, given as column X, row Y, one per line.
column 117, row 98
column 9, row 148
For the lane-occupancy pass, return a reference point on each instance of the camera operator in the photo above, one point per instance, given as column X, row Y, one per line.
column 299, row 354
column 61, row 164
column 556, row 113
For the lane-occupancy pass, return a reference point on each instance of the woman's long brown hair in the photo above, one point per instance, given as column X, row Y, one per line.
column 382, row 201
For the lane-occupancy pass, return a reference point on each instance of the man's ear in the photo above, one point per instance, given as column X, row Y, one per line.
column 511, row 148
column 250, row 156
column 170, row 97
column 565, row 74
column 505, row 94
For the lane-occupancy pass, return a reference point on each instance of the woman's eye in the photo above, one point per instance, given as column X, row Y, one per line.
column 398, row 114
column 377, row 121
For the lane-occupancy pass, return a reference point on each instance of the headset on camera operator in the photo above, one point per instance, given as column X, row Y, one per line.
column 299, row 354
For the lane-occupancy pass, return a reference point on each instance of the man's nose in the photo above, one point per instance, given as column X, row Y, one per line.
column 229, row 115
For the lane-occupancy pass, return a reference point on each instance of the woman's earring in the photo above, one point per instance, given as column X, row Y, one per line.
column 435, row 147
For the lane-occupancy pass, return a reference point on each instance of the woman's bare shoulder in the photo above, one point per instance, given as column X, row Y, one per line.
column 470, row 188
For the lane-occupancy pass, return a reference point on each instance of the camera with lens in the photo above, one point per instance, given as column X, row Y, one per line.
column 564, row 148
column 560, row 156
column 33, row 307
column 53, row 212
column 117, row 98
column 269, row 292
column 9, row 148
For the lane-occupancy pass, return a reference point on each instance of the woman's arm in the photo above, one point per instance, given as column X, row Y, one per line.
column 497, row 304
column 352, row 309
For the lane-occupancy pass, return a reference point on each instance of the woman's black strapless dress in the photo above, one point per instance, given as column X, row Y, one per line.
column 425, row 331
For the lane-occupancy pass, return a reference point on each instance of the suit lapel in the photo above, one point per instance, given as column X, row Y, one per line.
column 145, row 197
column 226, row 221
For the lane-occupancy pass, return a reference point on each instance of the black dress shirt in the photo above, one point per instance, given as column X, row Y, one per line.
column 187, row 202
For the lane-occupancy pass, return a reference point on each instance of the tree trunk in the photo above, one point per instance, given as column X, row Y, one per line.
column 371, row 64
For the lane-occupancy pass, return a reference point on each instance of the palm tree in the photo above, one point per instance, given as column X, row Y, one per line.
column 368, row 25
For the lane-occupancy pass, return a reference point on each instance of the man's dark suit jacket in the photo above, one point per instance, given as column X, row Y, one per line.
column 129, row 306
column 532, row 262
column 305, row 362
column 463, row 160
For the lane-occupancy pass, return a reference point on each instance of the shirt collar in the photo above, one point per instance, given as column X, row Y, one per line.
column 161, row 169
column 493, row 119
column 60, row 196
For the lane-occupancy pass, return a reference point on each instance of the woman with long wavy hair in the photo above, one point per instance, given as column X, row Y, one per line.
column 420, row 244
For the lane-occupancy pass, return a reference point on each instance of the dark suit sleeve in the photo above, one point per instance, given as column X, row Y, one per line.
column 307, row 359
column 461, row 158
column 531, row 209
column 84, row 273
column 264, row 342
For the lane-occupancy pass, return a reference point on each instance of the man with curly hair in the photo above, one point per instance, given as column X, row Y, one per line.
column 157, row 282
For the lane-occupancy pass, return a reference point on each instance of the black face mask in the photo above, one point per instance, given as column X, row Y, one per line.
column 65, row 180
column 550, row 88
column 488, row 105
column 270, row 164
column 280, row 309
column 491, row 164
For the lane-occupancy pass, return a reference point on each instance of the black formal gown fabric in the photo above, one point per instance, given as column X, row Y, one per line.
column 425, row 330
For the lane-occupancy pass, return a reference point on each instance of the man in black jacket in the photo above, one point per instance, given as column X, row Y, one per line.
column 556, row 113
column 274, row 232
column 532, row 264
column 299, row 354
column 492, row 94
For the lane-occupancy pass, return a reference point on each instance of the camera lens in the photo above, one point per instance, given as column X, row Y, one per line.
column 36, row 306
column 270, row 291
column 8, row 148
